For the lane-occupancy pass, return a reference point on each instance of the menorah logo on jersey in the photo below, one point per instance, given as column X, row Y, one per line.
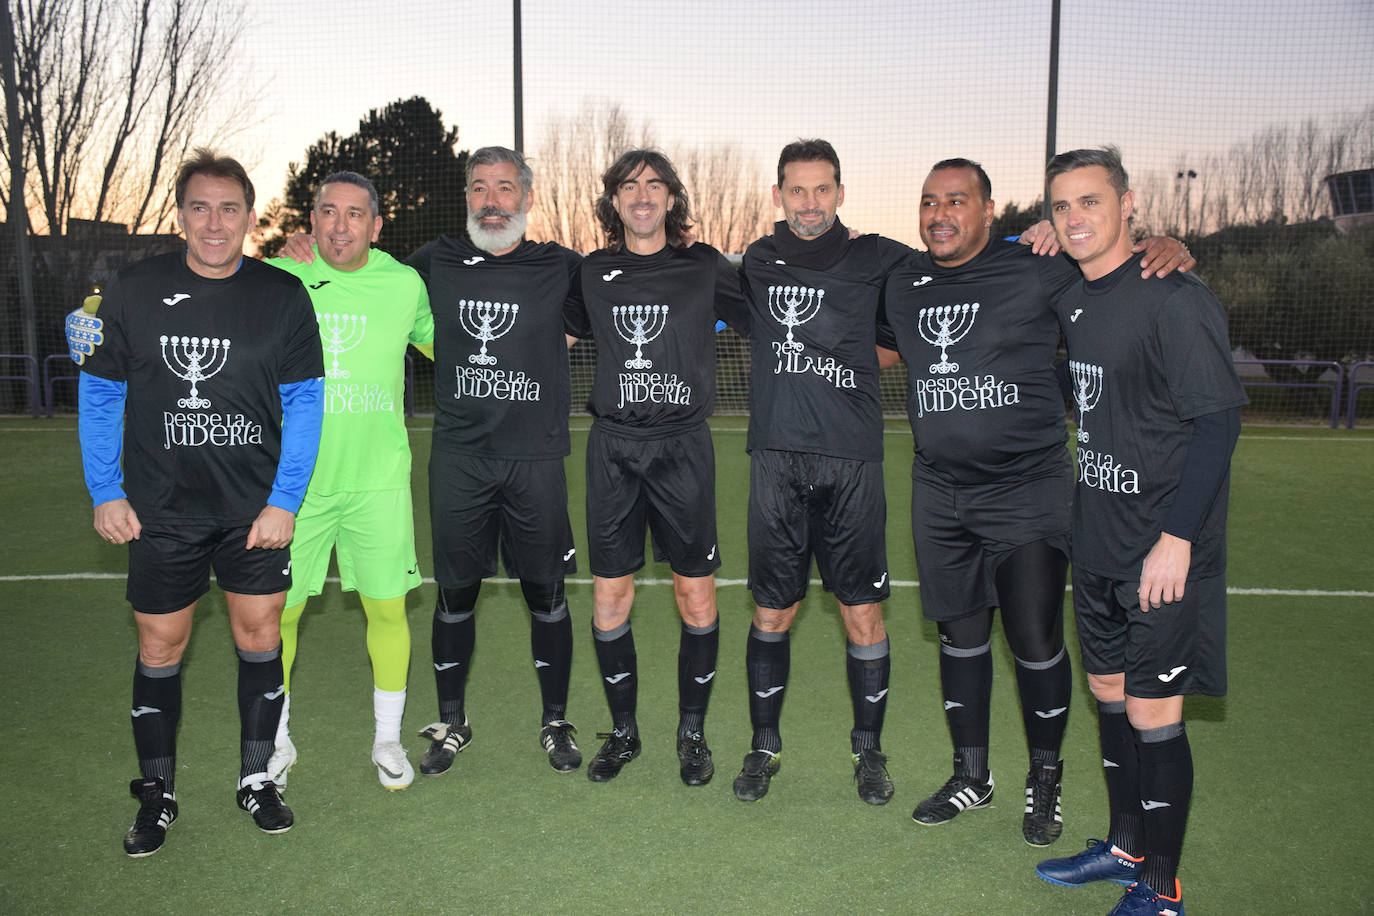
column 339, row 334
column 1087, row 390
column 194, row 359
column 943, row 326
column 793, row 306
column 638, row 325
column 486, row 321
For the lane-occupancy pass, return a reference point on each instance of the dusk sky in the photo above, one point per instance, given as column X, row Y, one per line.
column 894, row 85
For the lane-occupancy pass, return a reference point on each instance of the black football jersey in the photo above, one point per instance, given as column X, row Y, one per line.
column 203, row 359
column 1145, row 358
column 979, row 342
column 653, row 318
column 501, row 382
column 813, row 309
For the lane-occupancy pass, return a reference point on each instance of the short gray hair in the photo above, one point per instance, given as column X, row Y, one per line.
column 492, row 155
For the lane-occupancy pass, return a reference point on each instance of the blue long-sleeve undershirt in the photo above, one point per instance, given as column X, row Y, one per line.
column 302, row 415
column 101, row 427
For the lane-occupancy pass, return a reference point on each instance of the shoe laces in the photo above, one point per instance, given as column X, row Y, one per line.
column 1043, row 791
column 560, row 735
column 756, row 763
column 694, row 746
column 953, row 786
column 150, row 812
column 872, row 764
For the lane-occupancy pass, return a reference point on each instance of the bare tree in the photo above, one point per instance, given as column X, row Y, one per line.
column 112, row 93
column 575, row 151
column 729, row 193
column 729, row 196
column 1275, row 175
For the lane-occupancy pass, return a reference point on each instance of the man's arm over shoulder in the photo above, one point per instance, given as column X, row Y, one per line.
column 731, row 306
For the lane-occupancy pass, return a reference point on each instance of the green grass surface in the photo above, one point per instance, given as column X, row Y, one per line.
column 1283, row 763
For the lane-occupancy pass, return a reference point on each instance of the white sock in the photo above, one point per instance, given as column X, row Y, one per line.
column 282, row 735
column 387, row 708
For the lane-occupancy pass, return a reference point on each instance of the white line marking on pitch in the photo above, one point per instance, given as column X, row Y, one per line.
column 731, row 583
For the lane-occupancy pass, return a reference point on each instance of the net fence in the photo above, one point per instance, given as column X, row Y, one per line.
column 1247, row 129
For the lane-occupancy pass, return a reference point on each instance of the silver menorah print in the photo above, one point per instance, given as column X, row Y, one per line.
column 637, row 325
column 1087, row 388
column 339, row 334
column 486, row 321
column 792, row 306
column 194, row 359
column 944, row 325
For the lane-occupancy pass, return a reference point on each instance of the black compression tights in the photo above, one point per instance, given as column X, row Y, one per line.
column 1030, row 589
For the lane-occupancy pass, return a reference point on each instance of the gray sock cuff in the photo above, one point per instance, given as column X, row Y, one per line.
column 956, row 652
column 1041, row 666
column 252, row 657
column 762, row 636
column 165, row 671
column 552, row 616
column 610, row 635
column 701, row 631
column 446, row 617
column 1115, row 708
column 1163, row 733
column 868, row 653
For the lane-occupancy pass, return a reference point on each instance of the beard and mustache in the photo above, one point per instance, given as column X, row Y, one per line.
column 494, row 240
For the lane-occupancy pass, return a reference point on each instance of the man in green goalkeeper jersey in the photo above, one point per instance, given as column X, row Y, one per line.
column 369, row 307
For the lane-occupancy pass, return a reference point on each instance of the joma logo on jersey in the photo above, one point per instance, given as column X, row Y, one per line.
column 194, row 359
column 486, row 321
column 339, row 334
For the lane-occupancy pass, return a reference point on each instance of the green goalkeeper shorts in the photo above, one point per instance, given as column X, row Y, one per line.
column 373, row 534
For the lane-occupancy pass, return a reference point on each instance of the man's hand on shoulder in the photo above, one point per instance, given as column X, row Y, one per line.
column 1041, row 238
column 273, row 529
column 300, row 248
column 1163, row 256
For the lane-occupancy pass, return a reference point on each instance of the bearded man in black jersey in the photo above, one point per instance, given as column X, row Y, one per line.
column 815, row 440
column 992, row 481
column 502, row 397
column 651, row 301
column 497, row 486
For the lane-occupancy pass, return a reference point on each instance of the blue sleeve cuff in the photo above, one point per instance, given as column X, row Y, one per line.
column 302, row 415
column 100, row 428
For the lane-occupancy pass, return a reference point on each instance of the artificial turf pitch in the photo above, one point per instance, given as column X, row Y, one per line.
column 1280, row 814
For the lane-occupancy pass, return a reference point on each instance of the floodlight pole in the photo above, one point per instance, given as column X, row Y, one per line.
column 1052, row 115
column 519, row 99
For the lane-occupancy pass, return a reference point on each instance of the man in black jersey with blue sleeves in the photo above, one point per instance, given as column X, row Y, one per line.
column 651, row 301
column 212, row 369
column 816, row 446
column 1158, row 417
